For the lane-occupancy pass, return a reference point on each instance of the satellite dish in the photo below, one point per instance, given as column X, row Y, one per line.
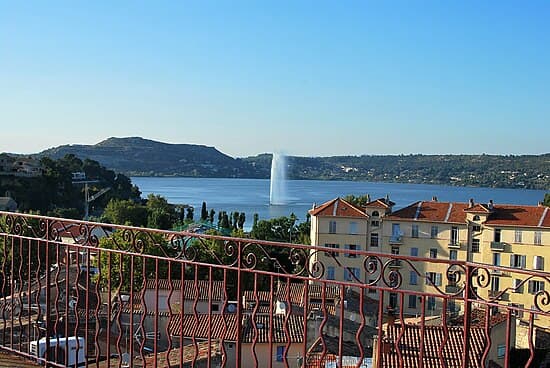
column 231, row 308
column 72, row 303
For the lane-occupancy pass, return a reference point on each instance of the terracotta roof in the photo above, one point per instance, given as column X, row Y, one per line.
column 14, row 361
column 453, row 212
column 190, row 289
column 296, row 294
column 518, row 215
column 220, row 326
column 338, row 208
column 434, row 336
column 380, row 203
column 431, row 211
column 224, row 327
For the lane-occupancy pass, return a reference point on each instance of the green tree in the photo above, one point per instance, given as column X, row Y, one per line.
column 161, row 214
column 190, row 214
column 211, row 216
column 358, row 201
column 204, row 212
column 547, row 199
column 241, row 221
column 119, row 211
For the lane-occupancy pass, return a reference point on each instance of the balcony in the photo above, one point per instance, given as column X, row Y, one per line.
column 454, row 244
column 136, row 297
column 498, row 246
column 396, row 239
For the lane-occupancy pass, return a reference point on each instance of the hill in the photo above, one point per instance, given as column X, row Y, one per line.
column 136, row 156
column 143, row 157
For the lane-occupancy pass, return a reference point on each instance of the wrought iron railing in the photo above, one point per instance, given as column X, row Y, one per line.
column 102, row 295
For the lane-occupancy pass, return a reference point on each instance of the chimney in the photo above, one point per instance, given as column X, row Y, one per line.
column 471, row 202
column 434, row 199
column 368, row 198
column 491, row 205
column 540, row 204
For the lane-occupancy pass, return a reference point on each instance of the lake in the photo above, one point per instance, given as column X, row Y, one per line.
column 252, row 195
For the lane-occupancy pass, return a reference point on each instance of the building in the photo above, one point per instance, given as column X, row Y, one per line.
column 511, row 240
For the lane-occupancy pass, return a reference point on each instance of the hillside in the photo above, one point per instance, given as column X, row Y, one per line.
column 141, row 157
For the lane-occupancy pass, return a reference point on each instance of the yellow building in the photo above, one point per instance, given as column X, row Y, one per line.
column 340, row 225
column 515, row 238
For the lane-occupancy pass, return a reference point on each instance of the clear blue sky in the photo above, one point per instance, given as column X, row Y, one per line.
column 308, row 78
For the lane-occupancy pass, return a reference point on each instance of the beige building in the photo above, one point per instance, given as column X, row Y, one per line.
column 515, row 237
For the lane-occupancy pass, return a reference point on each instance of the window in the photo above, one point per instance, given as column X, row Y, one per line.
column 453, row 255
column 353, row 228
column 433, row 252
column 433, row 278
column 517, row 236
column 375, row 223
column 476, row 228
column 412, row 301
column 374, row 239
column 413, row 278
column 454, row 235
column 497, row 235
column 375, row 214
column 414, row 233
column 501, row 351
column 495, row 283
column 434, row 232
column 215, row 307
column 517, row 286
column 332, row 227
column 351, row 247
column 517, row 261
column 332, row 254
column 330, row 273
column 371, row 283
column 431, row 303
column 475, row 245
column 350, row 272
column 280, row 353
column 395, row 262
column 538, row 263
column 393, row 300
column 538, row 238
column 476, row 217
column 535, row 286
column 517, row 313
column 496, row 259
column 414, row 252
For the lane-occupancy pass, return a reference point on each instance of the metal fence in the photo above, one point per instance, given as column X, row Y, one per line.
column 92, row 294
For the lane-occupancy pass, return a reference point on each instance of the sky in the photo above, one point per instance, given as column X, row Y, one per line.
column 307, row 78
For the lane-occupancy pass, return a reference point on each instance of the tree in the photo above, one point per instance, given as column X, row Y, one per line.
column 211, row 216
column 125, row 212
column 242, row 219
column 204, row 212
column 161, row 214
column 235, row 216
column 358, row 201
column 547, row 199
column 190, row 213
column 225, row 221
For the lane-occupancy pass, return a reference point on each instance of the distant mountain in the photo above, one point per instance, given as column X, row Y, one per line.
column 143, row 157
column 136, row 156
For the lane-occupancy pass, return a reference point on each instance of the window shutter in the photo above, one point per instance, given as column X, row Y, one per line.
column 538, row 263
column 427, row 278
column 512, row 260
column 523, row 261
column 438, row 279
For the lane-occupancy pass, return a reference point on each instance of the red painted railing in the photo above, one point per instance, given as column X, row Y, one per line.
column 75, row 292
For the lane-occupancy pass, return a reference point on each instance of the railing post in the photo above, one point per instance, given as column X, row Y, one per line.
column 238, row 352
column 47, row 309
column 467, row 312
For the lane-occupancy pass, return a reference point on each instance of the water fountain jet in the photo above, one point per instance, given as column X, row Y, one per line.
column 277, row 192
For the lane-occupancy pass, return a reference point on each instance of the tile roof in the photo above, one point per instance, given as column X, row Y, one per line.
column 453, row 212
column 517, row 215
column 11, row 360
column 190, row 289
column 431, row 211
column 338, row 208
column 224, row 327
column 380, row 203
column 434, row 336
column 296, row 294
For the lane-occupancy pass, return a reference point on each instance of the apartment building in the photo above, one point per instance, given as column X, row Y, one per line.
column 339, row 224
column 515, row 237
